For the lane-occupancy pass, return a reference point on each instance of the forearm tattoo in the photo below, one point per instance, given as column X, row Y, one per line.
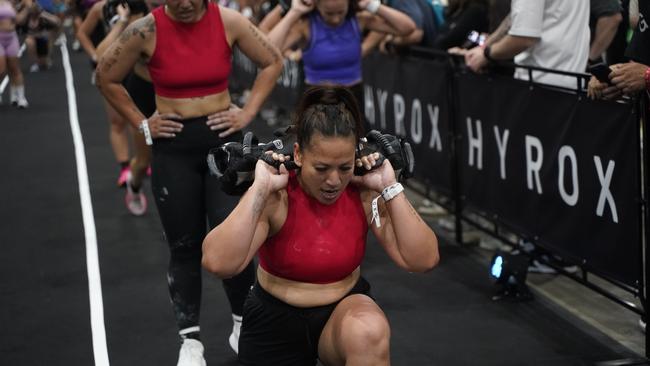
column 259, row 201
column 415, row 213
column 265, row 44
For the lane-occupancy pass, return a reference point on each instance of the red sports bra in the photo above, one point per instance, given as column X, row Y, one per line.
column 318, row 243
column 190, row 59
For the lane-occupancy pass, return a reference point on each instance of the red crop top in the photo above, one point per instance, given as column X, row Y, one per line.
column 318, row 243
column 190, row 59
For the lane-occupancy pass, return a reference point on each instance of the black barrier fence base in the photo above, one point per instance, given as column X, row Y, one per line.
column 642, row 110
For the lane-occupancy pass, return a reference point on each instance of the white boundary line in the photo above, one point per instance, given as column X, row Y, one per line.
column 100, row 350
column 5, row 81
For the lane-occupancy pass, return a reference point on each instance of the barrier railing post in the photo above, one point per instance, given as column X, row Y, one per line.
column 456, row 183
column 641, row 108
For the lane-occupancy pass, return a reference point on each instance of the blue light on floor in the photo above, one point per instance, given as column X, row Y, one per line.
column 497, row 266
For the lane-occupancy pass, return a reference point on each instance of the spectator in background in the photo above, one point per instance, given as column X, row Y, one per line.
column 462, row 17
column 329, row 32
column 605, row 17
column 634, row 76
column 426, row 28
column 552, row 34
column 615, row 53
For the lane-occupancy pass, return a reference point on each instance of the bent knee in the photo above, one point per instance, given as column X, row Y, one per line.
column 367, row 332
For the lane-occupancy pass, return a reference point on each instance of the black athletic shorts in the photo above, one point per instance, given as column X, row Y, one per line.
column 276, row 333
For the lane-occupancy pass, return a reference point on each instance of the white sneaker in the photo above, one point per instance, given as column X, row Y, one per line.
column 34, row 68
column 22, row 103
column 76, row 46
column 191, row 353
column 234, row 336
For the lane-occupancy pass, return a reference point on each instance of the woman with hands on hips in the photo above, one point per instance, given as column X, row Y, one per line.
column 186, row 46
column 309, row 229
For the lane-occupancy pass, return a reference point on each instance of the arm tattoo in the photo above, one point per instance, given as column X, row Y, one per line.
column 112, row 60
column 266, row 45
column 258, row 203
column 415, row 213
column 140, row 27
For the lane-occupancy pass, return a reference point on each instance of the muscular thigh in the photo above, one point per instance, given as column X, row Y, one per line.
column 343, row 324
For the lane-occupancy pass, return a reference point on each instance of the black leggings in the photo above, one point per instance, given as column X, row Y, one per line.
column 185, row 194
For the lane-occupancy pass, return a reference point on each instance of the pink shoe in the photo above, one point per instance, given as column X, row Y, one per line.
column 149, row 171
column 124, row 175
column 136, row 202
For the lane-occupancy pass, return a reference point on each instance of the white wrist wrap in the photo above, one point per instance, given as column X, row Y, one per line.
column 387, row 194
column 391, row 191
column 144, row 128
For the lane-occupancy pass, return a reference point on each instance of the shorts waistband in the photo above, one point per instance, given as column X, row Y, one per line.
column 361, row 287
column 190, row 120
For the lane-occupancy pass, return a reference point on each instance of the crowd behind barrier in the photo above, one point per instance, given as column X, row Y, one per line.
column 550, row 165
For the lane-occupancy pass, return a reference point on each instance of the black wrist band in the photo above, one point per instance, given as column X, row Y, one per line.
column 486, row 53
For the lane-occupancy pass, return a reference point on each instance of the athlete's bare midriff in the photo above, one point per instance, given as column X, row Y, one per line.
column 302, row 294
column 195, row 106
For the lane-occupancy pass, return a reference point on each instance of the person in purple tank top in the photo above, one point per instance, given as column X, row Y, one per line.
column 329, row 32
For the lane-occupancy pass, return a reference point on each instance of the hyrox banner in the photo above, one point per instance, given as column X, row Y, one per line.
column 409, row 97
column 559, row 169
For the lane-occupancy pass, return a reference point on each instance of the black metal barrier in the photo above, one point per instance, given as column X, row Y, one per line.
column 551, row 166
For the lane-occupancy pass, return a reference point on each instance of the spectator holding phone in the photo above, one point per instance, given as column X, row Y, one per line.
column 631, row 77
column 552, row 34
